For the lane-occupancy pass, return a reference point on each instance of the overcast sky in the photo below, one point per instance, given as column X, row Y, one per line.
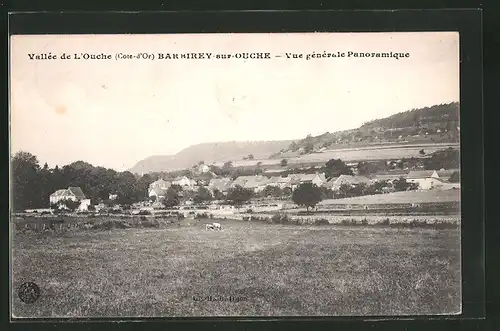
column 116, row 112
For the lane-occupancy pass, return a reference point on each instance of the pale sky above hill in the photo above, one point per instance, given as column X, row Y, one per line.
column 116, row 112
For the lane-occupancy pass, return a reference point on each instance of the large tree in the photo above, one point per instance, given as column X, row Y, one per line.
column 26, row 184
column 238, row 195
column 336, row 167
column 447, row 159
column 202, row 195
column 173, row 196
column 307, row 194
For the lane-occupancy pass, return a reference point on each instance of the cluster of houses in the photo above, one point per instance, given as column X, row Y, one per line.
column 426, row 180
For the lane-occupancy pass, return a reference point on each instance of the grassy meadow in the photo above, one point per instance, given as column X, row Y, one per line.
column 427, row 196
column 248, row 269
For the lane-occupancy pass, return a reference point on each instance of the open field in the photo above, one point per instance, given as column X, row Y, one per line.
column 370, row 153
column 428, row 196
column 267, row 269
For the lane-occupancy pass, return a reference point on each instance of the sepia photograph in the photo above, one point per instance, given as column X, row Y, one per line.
column 235, row 174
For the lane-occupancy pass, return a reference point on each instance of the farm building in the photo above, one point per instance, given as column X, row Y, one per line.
column 157, row 192
column 220, row 184
column 84, row 205
column 335, row 183
column 445, row 174
column 280, row 182
column 184, row 182
column 317, row 179
column 390, row 176
column 71, row 193
column 426, row 179
column 158, row 188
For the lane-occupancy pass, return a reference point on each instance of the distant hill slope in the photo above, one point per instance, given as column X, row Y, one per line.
column 436, row 124
column 209, row 153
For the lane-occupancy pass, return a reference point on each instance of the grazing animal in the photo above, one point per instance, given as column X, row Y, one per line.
column 209, row 227
column 217, row 226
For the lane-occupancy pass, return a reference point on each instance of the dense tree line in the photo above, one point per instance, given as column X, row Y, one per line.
column 32, row 184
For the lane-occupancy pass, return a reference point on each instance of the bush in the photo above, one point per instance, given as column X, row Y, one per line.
column 364, row 221
column 276, row 218
column 385, row 222
column 280, row 219
column 246, row 218
column 149, row 223
column 144, row 212
column 322, row 221
column 249, row 211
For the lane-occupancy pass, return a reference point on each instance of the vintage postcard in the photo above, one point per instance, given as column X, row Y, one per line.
column 249, row 174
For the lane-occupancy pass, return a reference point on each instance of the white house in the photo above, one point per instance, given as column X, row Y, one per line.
column 203, row 168
column 158, row 188
column 157, row 192
column 317, row 179
column 426, row 179
column 84, row 205
column 71, row 193
column 183, row 181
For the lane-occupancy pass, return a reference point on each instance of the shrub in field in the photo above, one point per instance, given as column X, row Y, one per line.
column 385, row 222
column 322, row 221
column 276, row 218
column 150, row 223
column 280, row 219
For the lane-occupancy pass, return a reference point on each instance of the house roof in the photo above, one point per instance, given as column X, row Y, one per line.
column 159, row 182
column 389, row 176
column 353, row 180
column 58, row 193
column 158, row 191
column 331, row 182
column 416, row 174
column 446, row 173
column 77, row 192
column 220, row 184
column 303, row 177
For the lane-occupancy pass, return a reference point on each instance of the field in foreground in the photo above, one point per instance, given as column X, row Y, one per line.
column 267, row 269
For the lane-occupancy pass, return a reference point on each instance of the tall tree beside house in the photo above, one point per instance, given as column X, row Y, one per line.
column 447, row 159
column 238, row 195
column 218, row 195
column 336, row 167
column 202, row 195
column 454, row 177
column 141, row 186
column 172, row 197
column 307, row 195
column 402, row 184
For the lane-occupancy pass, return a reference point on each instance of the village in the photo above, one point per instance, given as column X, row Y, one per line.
column 267, row 192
